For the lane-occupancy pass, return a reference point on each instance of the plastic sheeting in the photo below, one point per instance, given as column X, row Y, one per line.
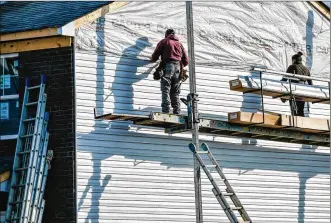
column 227, row 34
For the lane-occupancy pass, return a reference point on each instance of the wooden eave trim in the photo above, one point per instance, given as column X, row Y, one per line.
column 29, row 34
column 48, row 32
column 35, row 44
column 91, row 17
column 321, row 9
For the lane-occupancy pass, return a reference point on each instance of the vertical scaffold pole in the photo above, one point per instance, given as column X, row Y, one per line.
column 195, row 125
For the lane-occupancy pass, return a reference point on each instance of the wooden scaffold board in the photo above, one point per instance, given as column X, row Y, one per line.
column 176, row 123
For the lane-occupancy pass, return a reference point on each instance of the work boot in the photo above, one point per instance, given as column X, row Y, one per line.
column 176, row 112
column 165, row 111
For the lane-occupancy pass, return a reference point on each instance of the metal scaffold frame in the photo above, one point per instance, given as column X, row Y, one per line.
column 178, row 123
column 192, row 111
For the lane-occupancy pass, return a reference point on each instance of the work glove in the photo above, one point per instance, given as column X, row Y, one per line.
column 184, row 75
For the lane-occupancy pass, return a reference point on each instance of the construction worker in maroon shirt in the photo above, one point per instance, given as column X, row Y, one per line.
column 173, row 57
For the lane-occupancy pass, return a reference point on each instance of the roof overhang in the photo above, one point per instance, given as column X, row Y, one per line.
column 69, row 29
column 322, row 8
column 66, row 30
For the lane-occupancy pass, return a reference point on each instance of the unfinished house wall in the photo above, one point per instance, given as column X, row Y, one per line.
column 129, row 173
column 57, row 65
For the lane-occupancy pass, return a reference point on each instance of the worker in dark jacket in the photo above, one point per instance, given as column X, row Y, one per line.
column 172, row 55
column 298, row 68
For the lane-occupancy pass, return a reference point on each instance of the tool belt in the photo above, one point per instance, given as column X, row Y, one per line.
column 159, row 72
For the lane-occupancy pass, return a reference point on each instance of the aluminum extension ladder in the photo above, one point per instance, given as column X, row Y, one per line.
column 30, row 168
column 221, row 197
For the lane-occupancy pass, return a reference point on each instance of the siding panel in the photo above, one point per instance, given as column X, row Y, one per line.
column 128, row 173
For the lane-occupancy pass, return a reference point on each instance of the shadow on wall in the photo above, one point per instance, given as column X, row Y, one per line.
column 118, row 140
column 123, row 94
column 126, row 74
column 250, row 102
column 309, row 64
column 309, row 48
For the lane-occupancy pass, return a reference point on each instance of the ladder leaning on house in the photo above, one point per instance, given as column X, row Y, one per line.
column 32, row 160
column 221, row 196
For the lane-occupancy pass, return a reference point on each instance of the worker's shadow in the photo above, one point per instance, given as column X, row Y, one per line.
column 112, row 96
column 119, row 95
column 250, row 103
column 127, row 75
column 309, row 63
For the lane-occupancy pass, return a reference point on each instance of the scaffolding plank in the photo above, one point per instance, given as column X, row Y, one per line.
column 177, row 123
column 303, row 124
column 207, row 126
column 119, row 117
column 281, row 89
column 306, row 124
column 272, row 121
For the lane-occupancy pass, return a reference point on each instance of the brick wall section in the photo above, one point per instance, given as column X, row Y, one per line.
column 58, row 66
column 7, row 148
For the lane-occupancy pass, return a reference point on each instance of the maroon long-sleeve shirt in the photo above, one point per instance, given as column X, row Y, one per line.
column 170, row 49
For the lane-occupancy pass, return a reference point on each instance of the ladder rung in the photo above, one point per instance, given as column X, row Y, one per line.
column 24, row 152
column 20, row 185
column 228, row 194
column 236, row 208
column 34, row 87
column 26, row 136
column 21, row 169
column 13, row 219
column 29, row 119
column 15, row 202
column 210, row 166
column 202, row 152
column 31, row 103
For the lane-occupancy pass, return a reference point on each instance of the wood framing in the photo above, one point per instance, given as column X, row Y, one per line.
column 306, row 124
column 321, row 9
column 98, row 13
column 302, row 124
column 29, row 34
column 48, row 32
column 4, row 176
column 35, row 44
column 273, row 121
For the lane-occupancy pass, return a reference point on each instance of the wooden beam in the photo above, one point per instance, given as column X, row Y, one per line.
column 4, row 176
column 47, row 32
column 91, row 17
column 29, row 34
column 321, row 9
column 302, row 124
column 306, row 124
column 272, row 121
column 35, row 44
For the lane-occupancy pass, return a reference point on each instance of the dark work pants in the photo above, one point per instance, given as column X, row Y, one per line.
column 170, row 87
column 300, row 106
